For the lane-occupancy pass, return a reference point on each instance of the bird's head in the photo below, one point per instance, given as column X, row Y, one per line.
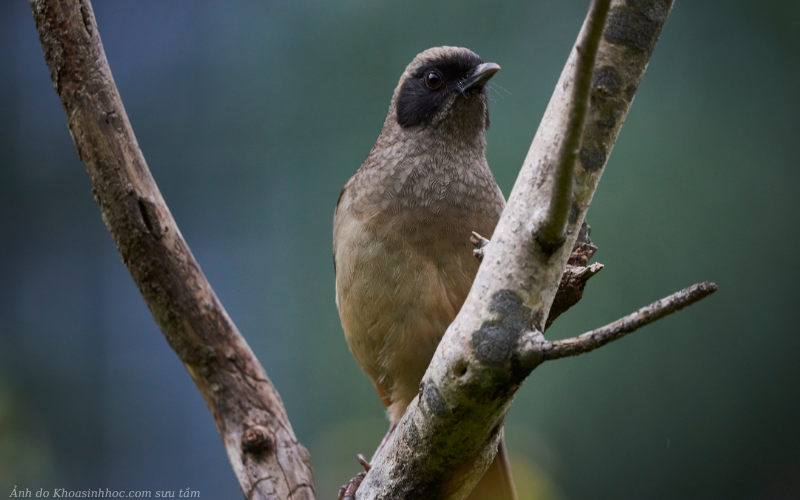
column 443, row 89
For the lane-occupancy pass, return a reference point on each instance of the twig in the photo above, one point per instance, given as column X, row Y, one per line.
column 551, row 234
column 601, row 336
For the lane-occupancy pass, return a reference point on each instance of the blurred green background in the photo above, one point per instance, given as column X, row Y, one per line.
column 253, row 114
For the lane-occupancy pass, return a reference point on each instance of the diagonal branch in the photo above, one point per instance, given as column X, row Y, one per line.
column 450, row 432
column 262, row 448
column 601, row 336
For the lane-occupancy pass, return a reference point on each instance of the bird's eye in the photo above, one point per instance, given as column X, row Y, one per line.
column 433, row 80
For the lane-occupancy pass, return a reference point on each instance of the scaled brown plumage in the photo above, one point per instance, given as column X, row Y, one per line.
column 401, row 231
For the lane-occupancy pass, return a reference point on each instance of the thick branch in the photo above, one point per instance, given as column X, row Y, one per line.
column 601, row 336
column 551, row 234
column 575, row 277
column 450, row 432
column 266, row 457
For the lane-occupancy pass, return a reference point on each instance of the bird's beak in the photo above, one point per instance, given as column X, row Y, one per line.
column 481, row 75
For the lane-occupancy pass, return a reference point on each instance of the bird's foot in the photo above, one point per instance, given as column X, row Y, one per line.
column 348, row 491
column 480, row 244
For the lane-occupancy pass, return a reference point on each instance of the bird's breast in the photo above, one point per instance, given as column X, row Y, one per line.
column 429, row 198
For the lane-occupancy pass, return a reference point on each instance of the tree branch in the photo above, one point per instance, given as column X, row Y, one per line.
column 601, row 336
column 449, row 434
column 551, row 234
column 265, row 455
column 575, row 277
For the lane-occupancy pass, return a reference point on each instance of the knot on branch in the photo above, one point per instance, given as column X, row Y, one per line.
column 256, row 440
column 150, row 217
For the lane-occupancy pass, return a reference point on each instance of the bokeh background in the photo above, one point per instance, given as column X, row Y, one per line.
column 253, row 114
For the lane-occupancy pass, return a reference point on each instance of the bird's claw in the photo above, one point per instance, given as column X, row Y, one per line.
column 480, row 244
column 348, row 491
column 363, row 461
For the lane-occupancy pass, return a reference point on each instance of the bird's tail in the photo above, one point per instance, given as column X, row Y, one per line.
column 496, row 483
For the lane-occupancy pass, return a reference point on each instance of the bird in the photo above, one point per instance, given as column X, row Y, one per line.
column 403, row 258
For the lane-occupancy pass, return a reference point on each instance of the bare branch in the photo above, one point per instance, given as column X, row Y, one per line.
column 450, row 432
column 551, row 234
column 601, row 336
column 263, row 450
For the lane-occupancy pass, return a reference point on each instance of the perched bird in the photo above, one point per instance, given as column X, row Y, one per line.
column 401, row 231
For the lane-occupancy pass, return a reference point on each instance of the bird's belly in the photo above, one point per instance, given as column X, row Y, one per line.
column 396, row 298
